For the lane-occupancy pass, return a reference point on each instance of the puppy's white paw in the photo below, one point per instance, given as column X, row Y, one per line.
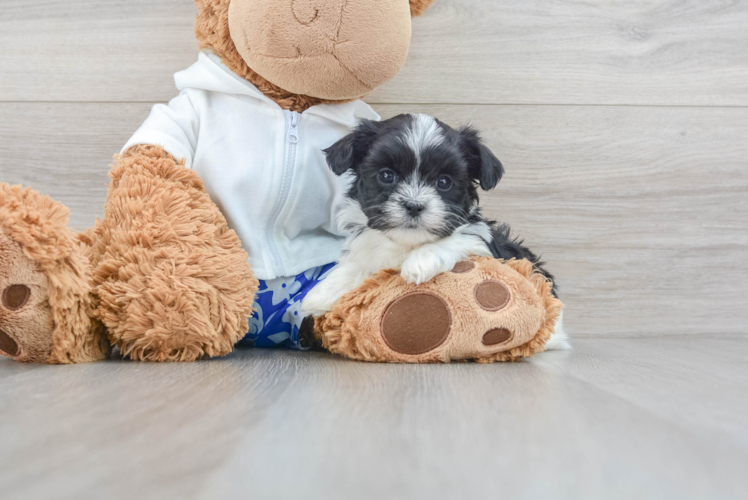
column 317, row 302
column 559, row 341
column 421, row 267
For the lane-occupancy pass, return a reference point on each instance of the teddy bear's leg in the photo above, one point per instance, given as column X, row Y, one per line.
column 26, row 322
column 45, row 283
column 484, row 309
column 172, row 282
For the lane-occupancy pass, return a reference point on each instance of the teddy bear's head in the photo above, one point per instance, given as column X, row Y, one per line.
column 306, row 52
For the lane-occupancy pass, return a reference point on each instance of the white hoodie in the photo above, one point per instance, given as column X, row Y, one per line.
column 263, row 166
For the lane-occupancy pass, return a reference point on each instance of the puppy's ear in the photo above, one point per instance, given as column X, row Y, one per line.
column 349, row 151
column 483, row 164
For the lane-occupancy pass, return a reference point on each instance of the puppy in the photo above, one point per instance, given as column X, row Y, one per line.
column 413, row 206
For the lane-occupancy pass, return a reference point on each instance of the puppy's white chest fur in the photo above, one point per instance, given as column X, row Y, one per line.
column 419, row 258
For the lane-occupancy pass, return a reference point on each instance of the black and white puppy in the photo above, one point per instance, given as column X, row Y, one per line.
column 413, row 205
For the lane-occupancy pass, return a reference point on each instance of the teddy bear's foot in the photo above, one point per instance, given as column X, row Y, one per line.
column 44, row 283
column 172, row 281
column 26, row 321
column 484, row 310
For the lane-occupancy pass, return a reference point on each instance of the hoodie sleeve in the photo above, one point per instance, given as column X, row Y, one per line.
column 174, row 127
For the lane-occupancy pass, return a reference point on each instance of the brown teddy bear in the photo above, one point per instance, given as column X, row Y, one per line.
column 163, row 278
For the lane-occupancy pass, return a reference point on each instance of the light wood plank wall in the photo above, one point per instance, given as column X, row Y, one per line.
column 623, row 127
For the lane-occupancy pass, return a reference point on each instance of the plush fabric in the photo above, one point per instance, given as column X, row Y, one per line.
column 331, row 49
column 171, row 280
column 37, row 250
column 290, row 88
column 212, row 32
column 489, row 311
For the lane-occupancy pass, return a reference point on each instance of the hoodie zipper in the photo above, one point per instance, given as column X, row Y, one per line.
column 292, row 139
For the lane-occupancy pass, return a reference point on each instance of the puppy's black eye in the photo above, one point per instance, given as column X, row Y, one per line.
column 387, row 176
column 444, row 183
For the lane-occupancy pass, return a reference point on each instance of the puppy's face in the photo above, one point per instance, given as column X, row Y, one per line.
column 415, row 178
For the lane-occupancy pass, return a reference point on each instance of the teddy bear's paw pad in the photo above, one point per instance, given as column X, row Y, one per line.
column 26, row 319
column 7, row 344
column 497, row 336
column 463, row 267
column 492, row 295
column 416, row 323
column 15, row 297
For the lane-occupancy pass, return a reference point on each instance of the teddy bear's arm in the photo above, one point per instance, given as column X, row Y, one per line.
column 174, row 126
column 171, row 281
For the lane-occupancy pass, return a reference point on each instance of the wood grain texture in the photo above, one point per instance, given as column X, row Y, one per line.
column 615, row 418
column 642, row 213
column 64, row 150
column 671, row 52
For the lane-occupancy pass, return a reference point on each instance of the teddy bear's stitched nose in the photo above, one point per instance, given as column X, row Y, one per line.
column 328, row 14
column 305, row 11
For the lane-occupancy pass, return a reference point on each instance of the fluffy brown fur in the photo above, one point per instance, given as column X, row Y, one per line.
column 39, row 226
column 171, row 281
column 552, row 305
column 352, row 329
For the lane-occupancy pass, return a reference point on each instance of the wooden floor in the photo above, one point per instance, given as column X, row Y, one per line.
column 661, row 418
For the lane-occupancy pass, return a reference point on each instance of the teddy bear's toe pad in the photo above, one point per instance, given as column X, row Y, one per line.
column 26, row 321
column 416, row 323
column 496, row 336
column 7, row 344
column 492, row 295
column 16, row 296
column 464, row 266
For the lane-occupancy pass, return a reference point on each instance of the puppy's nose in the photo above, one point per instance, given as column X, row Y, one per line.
column 414, row 208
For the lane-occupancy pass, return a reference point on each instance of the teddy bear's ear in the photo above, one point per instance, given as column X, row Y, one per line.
column 418, row 7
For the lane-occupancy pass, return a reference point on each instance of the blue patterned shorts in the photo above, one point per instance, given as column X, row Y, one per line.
column 278, row 316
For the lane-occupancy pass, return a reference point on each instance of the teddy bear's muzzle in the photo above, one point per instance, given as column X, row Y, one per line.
column 329, row 49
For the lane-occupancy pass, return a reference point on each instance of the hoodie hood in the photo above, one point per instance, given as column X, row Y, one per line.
column 209, row 73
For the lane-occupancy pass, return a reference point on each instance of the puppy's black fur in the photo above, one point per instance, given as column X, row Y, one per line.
column 451, row 164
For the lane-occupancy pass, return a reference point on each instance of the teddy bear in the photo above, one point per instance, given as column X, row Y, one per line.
column 198, row 229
